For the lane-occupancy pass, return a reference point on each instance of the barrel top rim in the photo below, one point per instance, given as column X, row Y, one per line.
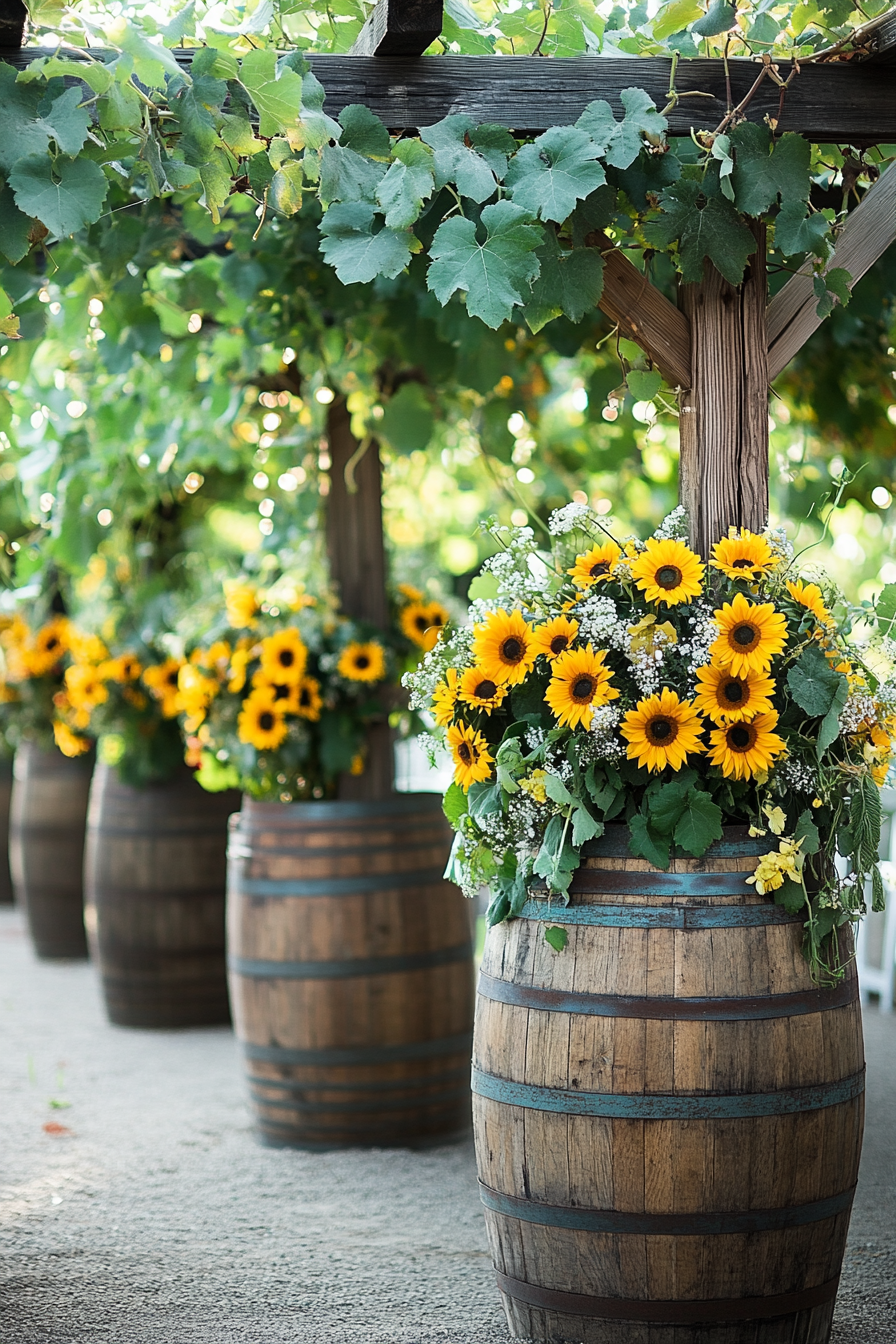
column 338, row 810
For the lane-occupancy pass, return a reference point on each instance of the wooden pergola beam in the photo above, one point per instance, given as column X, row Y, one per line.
column 399, row 28
column 868, row 232
column 837, row 102
column 644, row 315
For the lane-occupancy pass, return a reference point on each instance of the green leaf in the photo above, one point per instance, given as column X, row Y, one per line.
column 357, row 252
column 584, row 827
column 484, row 799
column 645, row 842
column 813, row 682
column 470, row 156
column 718, row 19
column 703, row 226
column 833, row 285
column 260, row 173
column 568, row 284
column 496, row 273
column 829, row 729
column 216, row 182
column 454, row 804
column 65, row 195
column 285, row 191
column 548, row 177
column 498, row 910
column 120, row 109
column 214, row 776
column 407, row 184
column 557, row 791
column 556, row 937
column 665, row 800
column 796, row 232
column 348, row 176
column 878, row 895
column 28, row 123
column 277, row 95
column 699, row 824
column 483, row 586
column 807, row 831
column 792, row 896
column 885, row 606
column 363, row 132
column 766, row 170
column 865, row 823
column 408, row 421
column 674, row 16
column 643, row 384
column 196, row 107
column 15, row 228
column 316, row 127
column 620, row 142
column 151, row 62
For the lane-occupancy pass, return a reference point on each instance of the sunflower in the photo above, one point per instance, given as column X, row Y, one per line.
column 743, row 556
column 410, row 593
column 744, row 750
column 725, row 698
column 310, row 701
column 85, row 647
column 808, row 595
column 596, row 565
column 662, row 730
column 555, row 636
column 750, row 635
column 195, row 693
column 480, row 691
column 444, row 698
column 261, row 722
column 241, row 603
column 284, row 693
column 85, row 687
column 162, row 681
column 469, row 751
column 215, row 658
column 50, row 643
column 362, row 662
column 422, row 623
column 580, row 683
column 123, row 669
column 503, row 647
column 284, row 656
column 668, row 571
column 69, row 743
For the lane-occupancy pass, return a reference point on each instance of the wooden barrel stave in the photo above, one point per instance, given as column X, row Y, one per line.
column 351, row 972
column 6, row 892
column 611, row 1176
column 155, row 884
column 47, row 817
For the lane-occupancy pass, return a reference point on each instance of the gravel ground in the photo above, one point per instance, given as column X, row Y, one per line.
column 136, row 1207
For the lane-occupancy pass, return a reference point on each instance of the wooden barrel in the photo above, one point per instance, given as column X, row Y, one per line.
column 351, row 972
column 668, row 1113
column 6, row 895
column 47, row 815
column 155, row 871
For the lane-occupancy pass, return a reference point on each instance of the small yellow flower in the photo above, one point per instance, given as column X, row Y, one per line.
column 772, row 868
column 48, row 646
column 69, row 743
column 85, row 687
column 422, row 623
column 310, row 701
column 777, row 819
column 808, row 595
column 126, row 667
column 362, row 662
column 161, row 679
column 533, row 785
column 643, row 635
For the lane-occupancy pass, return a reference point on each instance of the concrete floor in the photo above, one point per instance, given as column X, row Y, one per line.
column 136, row 1207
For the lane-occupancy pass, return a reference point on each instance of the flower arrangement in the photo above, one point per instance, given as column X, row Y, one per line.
column 33, row 704
column 628, row 681
column 279, row 701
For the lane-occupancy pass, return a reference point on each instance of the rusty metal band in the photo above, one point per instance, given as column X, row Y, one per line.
column 662, row 916
column 100, row 830
column 333, row 886
column 361, row 1054
column 668, row 1009
column 344, row 970
column 421, row 1101
column 459, row 1073
column 666, row 1106
column 594, row 881
column 665, row 1224
column 682, row 1312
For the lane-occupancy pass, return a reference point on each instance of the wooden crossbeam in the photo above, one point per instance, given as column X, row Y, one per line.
column 643, row 314
column 868, row 232
column 399, row 28
column 841, row 103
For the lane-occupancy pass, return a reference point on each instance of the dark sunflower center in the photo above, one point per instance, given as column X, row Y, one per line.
column 465, row 753
column 583, row 689
column 362, row 662
column 281, row 692
column 265, row 720
column 668, row 576
column 742, row 563
column 740, row 737
column 733, row 691
column 559, row 643
column 304, row 697
column 422, row 624
column 172, row 679
column 746, row 635
column 512, row 649
column 286, row 657
column 52, row 643
column 485, row 690
column 662, row 731
column 602, row 567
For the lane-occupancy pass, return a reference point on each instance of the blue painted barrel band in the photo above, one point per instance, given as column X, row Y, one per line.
column 661, row 916
column 736, row 843
column 420, row 1101
column 660, row 1106
column 683, row 1311
column 344, row 970
column 459, row 1073
column 666, row 1008
column 665, row 1224
column 361, row 1054
column 598, row 882
column 333, row 886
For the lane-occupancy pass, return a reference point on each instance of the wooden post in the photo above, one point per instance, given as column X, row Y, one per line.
column 13, row 18
column 724, row 414
column 358, row 569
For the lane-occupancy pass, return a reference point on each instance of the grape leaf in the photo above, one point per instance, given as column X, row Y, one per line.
column 699, row 824
column 151, row 61
column 795, row 231
column 469, row 155
column 454, row 804
column 278, row 100
column 15, row 228
column 556, row 937
column 644, row 384
column 65, row 195
column 216, row 182
column 833, row 285
column 703, row 226
column 317, row 127
column 813, row 682
column 645, row 842
column 356, row 250
column 348, row 176
column 674, row 16
column 199, row 131
column 285, row 190
column 619, row 142
column 363, row 132
column 719, row 18
column 408, row 421
column 496, row 273
column 548, row 177
column 28, row 122
column 766, row 170
column 407, row 184
column 569, row 283
column 885, row 606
